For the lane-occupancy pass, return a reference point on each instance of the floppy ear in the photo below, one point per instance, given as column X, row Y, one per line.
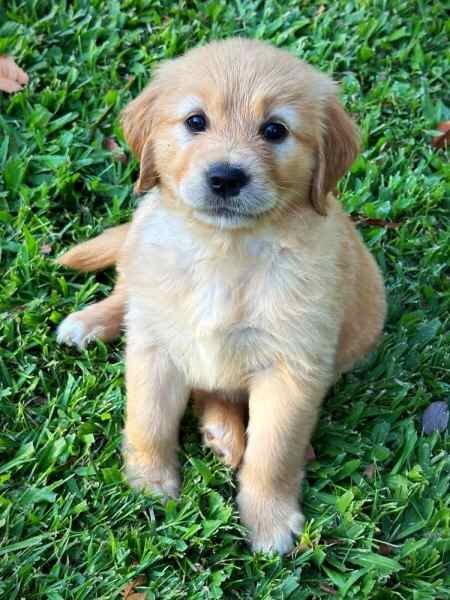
column 338, row 148
column 137, row 121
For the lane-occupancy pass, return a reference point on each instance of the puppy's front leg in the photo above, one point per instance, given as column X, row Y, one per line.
column 157, row 397
column 282, row 415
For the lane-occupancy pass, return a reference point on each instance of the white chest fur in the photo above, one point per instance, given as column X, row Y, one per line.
column 221, row 309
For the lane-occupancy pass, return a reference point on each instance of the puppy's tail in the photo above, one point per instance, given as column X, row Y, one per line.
column 98, row 253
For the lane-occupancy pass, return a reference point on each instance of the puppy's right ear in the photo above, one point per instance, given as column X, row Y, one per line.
column 137, row 122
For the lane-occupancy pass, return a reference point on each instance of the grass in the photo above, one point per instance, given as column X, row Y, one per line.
column 69, row 525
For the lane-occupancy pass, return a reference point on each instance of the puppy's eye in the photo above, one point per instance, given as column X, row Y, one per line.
column 274, row 132
column 196, row 123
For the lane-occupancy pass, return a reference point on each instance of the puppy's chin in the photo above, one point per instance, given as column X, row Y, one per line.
column 225, row 219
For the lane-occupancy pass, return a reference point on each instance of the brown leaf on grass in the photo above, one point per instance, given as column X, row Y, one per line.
column 12, row 77
column 129, row 592
column 443, row 140
column 110, row 144
column 366, row 221
column 369, row 471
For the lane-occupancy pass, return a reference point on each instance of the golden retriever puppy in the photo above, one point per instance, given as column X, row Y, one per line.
column 240, row 277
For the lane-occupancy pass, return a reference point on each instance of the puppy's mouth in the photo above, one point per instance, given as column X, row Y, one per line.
column 226, row 217
column 228, row 212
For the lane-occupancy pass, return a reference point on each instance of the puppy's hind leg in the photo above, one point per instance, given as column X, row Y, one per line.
column 365, row 314
column 100, row 321
column 222, row 423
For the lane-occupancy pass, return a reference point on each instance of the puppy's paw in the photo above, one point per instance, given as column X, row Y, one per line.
column 151, row 474
column 273, row 523
column 226, row 438
column 77, row 331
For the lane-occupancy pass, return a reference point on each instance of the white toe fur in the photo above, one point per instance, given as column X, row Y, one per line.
column 280, row 537
column 73, row 332
column 273, row 522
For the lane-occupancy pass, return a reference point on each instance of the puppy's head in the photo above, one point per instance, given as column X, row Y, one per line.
column 237, row 130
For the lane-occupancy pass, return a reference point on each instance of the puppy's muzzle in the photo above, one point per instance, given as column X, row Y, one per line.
column 226, row 180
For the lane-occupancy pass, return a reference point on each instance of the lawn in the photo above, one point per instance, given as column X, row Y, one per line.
column 376, row 497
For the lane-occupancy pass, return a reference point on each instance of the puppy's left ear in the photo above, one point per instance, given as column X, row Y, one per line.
column 137, row 122
column 338, row 148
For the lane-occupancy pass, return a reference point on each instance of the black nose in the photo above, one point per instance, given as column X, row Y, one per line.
column 226, row 180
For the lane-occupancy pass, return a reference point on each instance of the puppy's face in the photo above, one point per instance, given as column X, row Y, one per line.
column 229, row 156
column 237, row 131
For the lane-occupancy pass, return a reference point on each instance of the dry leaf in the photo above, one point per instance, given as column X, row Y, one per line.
column 362, row 220
column 443, row 140
column 128, row 590
column 12, row 77
column 110, row 144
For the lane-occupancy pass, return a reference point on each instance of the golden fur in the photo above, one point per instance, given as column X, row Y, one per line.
column 260, row 309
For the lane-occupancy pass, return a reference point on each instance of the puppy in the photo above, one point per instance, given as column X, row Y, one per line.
column 240, row 277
